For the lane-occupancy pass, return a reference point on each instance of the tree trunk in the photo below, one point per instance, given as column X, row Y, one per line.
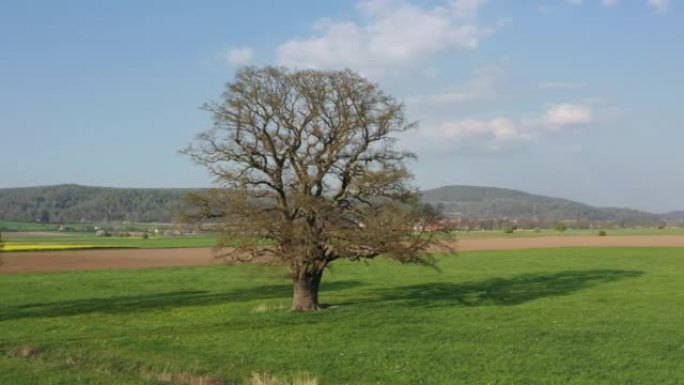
column 305, row 297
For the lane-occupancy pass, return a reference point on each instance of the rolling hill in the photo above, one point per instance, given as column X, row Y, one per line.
column 673, row 217
column 495, row 203
column 74, row 203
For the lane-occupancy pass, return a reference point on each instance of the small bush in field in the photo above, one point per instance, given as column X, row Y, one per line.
column 560, row 226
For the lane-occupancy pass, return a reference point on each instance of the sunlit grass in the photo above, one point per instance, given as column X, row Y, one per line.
column 557, row 316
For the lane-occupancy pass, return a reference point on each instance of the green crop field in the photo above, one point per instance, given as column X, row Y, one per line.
column 89, row 240
column 11, row 226
column 569, row 233
column 556, row 316
column 26, row 226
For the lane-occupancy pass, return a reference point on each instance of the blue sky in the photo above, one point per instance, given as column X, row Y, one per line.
column 577, row 99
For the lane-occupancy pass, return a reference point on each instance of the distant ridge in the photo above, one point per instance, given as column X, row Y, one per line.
column 73, row 203
column 673, row 217
column 70, row 203
column 495, row 203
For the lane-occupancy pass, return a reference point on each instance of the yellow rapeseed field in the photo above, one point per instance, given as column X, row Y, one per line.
column 42, row 247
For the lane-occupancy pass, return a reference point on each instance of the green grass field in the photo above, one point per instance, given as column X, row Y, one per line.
column 558, row 316
column 209, row 240
column 26, row 226
column 10, row 226
column 569, row 233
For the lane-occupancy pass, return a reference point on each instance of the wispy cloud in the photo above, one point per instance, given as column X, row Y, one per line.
column 239, row 56
column 661, row 6
column 393, row 33
column 503, row 132
column 558, row 116
column 482, row 86
column 500, row 129
column 609, row 3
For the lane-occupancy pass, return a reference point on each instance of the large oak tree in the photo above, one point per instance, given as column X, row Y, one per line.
column 308, row 160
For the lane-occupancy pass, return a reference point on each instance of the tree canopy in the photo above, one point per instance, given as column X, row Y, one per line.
column 309, row 160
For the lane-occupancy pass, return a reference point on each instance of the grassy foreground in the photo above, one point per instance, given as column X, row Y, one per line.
column 561, row 316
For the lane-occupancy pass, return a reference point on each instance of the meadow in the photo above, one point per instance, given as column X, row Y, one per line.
column 53, row 240
column 549, row 316
column 10, row 226
column 643, row 231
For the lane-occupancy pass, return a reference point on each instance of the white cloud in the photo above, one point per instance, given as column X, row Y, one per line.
column 661, row 6
column 466, row 9
column 239, row 56
column 393, row 33
column 566, row 114
column 557, row 118
column 498, row 129
column 503, row 132
column 503, row 129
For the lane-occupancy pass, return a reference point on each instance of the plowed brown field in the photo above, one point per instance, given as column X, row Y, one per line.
column 142, row 258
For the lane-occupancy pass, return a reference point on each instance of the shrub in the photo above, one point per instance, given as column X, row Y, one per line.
column 145, row 236
column 509, row 230
column 602, row 233
column 560, row 226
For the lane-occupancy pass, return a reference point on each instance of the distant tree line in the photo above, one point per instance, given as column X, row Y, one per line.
column 472, row 208
column 500, row 216
column 73, row 204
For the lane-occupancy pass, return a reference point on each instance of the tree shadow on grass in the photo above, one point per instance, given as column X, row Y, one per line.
column 129, row 304
column 502, row 291
column 496, row 291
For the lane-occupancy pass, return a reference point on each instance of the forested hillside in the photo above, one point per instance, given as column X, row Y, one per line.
column 674, row 217
column 495, row 203
column 74, row 203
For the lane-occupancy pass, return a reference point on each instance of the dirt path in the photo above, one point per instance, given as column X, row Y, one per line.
column 141, row 258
